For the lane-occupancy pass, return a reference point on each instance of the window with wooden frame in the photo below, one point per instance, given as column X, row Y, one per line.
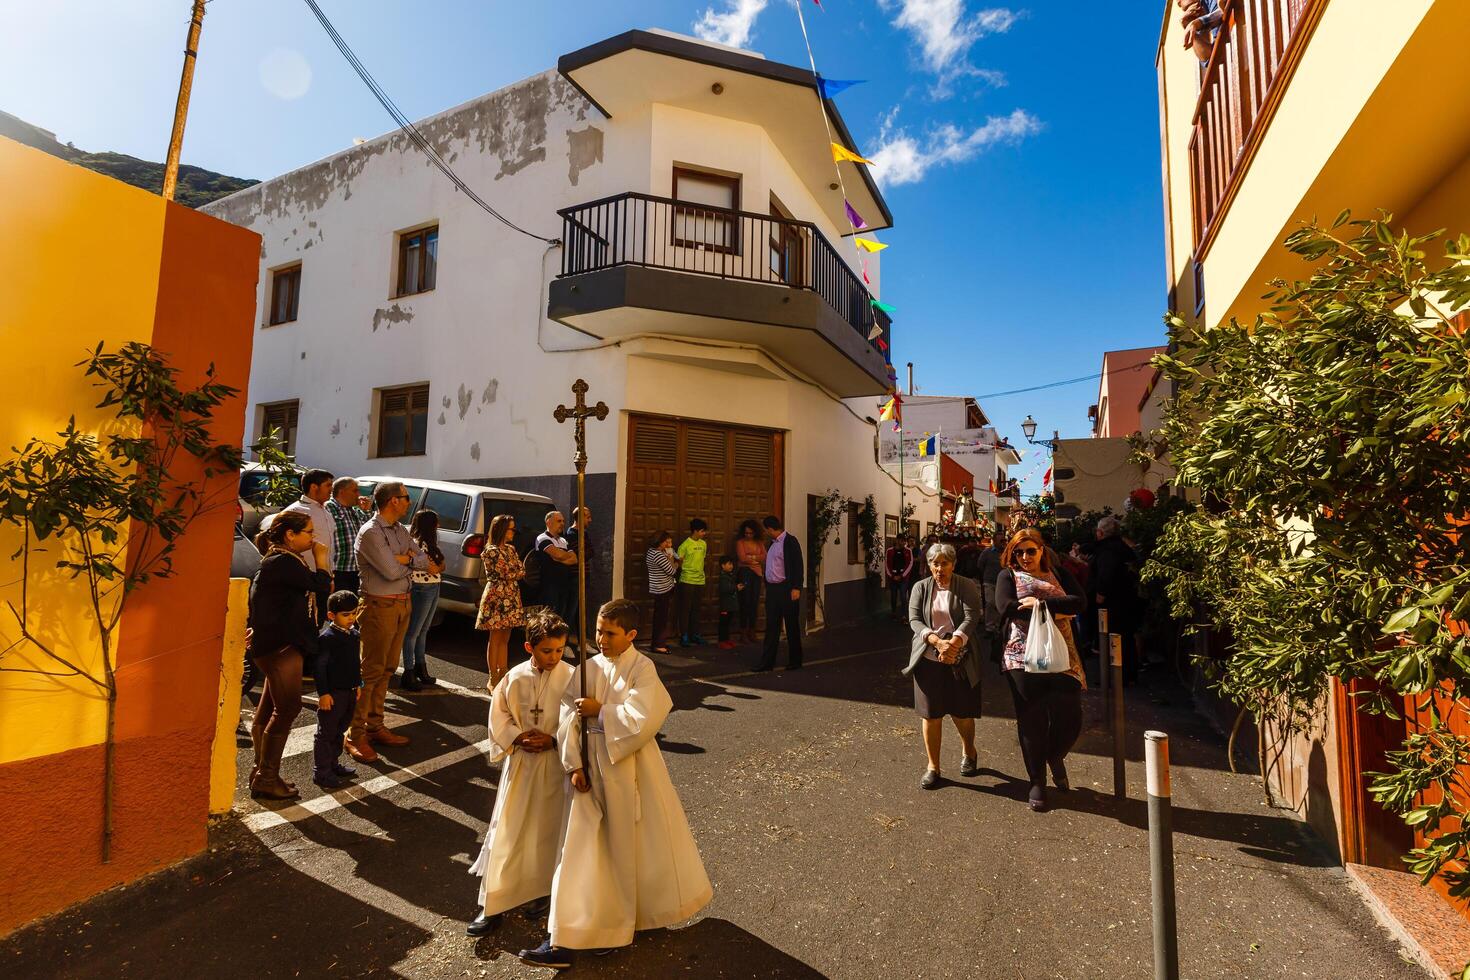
column 403, row 421
column 787, row 245
column 280, row 417
column 418, row 261
column 705, row 217
column 285, row 294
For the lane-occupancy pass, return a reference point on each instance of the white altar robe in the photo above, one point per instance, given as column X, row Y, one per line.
column 628, row 861
column 523, row 841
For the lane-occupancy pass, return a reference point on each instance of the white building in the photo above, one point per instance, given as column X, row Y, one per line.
column 962, row 432
column 702, row 285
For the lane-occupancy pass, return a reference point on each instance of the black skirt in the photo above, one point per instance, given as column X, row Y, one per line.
column 943, row 690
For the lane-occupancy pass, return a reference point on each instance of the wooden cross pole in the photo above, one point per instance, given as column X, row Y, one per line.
column 581, row 413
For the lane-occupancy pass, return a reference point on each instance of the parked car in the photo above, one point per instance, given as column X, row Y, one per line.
column 253, row 508
column 244, row 559
column 465, row 511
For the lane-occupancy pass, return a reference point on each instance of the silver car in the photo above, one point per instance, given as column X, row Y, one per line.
column 253, row 508
column 465, row 511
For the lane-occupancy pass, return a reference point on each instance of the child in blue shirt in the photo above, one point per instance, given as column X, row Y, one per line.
column 338, row 676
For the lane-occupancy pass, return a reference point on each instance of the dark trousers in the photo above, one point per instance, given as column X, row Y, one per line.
column 689, row 598
column 727, row 619
column 331, row 725
column 750, row 597
column 898, row 598
column 782, row 610
column 663, row 607
column 1048, row 718
column 280, row 696
column 347, row 581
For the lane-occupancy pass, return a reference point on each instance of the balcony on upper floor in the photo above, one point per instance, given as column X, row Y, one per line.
column 635, row 264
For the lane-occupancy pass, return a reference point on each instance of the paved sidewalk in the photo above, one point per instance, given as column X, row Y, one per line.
column 827, row 859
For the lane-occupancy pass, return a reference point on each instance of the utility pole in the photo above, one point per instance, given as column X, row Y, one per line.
column 181, row 110
column 911, row 378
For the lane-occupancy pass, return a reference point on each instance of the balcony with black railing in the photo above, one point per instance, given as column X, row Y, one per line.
column 639, row 264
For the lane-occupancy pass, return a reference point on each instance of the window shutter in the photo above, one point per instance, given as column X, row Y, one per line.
column 705, row 449
column 752, row 452
column 656, row 443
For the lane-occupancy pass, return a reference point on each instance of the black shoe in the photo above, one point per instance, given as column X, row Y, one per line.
column 328, row 781
column 970, row 767
column 421, row 672
column 343, row 772
column 1036, row 799
column 931, row 780
column 410, row 683
column 1059, row 777
column 547, row 955
column 482, row 925
column 760, row 670
column 536, row 908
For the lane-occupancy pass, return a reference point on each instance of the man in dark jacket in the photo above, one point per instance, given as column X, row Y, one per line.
column 785, row 573
column 1113, row 582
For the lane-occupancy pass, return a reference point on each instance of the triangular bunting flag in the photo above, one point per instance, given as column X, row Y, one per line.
column 853, row 218
column 868, row 245
column 831, row 86
column 881, row 345
column 840, row 153
column 865, row 273
column 883, row 306
column 875, row 333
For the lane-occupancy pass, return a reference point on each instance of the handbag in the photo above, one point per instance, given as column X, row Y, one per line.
column 1046, row 648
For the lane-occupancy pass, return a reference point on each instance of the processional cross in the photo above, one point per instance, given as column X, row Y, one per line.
column 581, row 413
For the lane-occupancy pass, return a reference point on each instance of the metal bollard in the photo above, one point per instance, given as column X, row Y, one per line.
column 1120, row 779
column 1161, row 856
column 1102, row 665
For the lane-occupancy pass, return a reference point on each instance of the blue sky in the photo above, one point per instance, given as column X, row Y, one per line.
column 1020, row 141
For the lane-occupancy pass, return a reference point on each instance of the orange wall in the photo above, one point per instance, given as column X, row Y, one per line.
column 185, row 283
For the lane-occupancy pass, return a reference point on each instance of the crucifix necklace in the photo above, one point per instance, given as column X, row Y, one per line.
column 536, row 692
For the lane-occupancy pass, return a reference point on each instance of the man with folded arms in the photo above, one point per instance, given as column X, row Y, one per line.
column 386, row 558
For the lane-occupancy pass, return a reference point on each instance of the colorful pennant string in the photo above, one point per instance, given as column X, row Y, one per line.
column 882, row 344
column 853, row 218
column 840, row 153
column 883, row 306
column 831, row 86
column 868, row 245
column 875, row 333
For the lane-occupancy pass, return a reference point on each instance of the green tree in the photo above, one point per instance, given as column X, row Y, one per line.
column 1329, row 439
column 110, row 509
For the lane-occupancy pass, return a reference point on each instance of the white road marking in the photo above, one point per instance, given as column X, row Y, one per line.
column 316, row 806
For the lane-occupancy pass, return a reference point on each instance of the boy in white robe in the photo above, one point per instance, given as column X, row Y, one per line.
column 628, row 860
column 518, row 860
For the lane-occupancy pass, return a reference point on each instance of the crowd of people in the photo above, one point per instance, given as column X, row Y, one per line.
column 976, row 601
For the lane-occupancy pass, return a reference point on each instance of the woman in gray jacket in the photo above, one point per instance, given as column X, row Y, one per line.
column 946, row 612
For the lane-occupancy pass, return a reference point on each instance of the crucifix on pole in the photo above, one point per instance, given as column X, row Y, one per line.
column 581, row 413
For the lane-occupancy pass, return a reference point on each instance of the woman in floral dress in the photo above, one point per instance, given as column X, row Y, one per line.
column 1048, row 706
column 500, row 604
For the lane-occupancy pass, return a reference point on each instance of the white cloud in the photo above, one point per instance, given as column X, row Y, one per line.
column 904, row 159
column 733, row 26
column 945, row 33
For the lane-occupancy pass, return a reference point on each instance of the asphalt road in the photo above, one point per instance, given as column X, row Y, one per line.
column 827, row 859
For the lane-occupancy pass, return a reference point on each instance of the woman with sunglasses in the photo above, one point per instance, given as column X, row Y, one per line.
column 1048, row 706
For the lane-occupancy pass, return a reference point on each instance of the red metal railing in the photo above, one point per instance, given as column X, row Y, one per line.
column 1254, row 42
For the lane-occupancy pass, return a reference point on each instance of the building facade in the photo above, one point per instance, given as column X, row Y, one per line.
column 1291, row 111
column 1124, row 378
column 690, row 259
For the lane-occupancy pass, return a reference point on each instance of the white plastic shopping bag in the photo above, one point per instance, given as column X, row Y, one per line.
column 1046, row 648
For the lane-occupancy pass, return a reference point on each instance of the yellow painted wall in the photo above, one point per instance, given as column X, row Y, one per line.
column 105, row 290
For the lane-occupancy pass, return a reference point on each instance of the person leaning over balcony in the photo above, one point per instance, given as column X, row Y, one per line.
column 945, row 611
column 500, row 604
column 387, row 557
column 282, row 631
column 347, row 519
column 1048, row 706
column 663, row 575
column 1201, row 21
column 750, row 551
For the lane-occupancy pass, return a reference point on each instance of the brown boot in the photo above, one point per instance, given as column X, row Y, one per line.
column 267, row 783
column 256, row 737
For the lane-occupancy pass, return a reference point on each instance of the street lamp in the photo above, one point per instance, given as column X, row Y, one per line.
column 1028, row 428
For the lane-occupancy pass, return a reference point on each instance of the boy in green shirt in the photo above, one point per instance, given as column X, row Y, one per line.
column 691, row 582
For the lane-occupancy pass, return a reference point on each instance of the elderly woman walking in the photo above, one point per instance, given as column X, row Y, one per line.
column 500, row 603
column 946, row 613
column 1048, row 706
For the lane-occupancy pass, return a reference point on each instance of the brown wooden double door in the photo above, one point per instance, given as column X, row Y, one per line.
column 680, row 469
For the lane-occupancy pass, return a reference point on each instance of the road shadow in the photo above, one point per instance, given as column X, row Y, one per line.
column 236, row 910
column 710, row 949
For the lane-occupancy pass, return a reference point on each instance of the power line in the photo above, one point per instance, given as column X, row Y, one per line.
column 1061, row 384
column 410, row 130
